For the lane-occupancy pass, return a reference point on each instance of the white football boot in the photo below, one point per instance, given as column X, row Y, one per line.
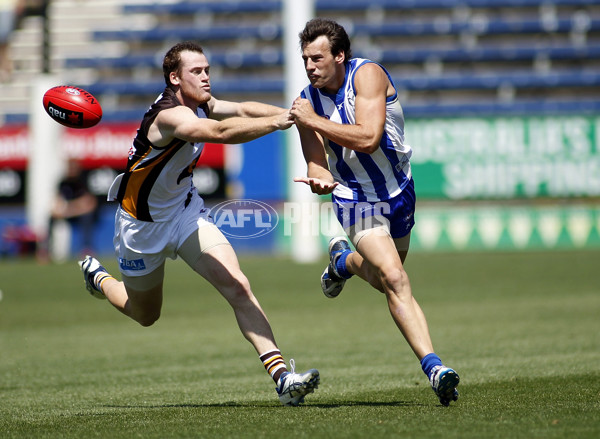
column 292, row 387
column 443, row 382
column 91, row 267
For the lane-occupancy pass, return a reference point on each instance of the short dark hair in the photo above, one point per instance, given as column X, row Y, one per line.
column 335, row 33
column 172, row 60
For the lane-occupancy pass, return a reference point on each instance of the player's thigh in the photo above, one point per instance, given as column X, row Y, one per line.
column 376, row 246
column 402, row 246
column 199, row 242
column 380, row 226
column 210, row 254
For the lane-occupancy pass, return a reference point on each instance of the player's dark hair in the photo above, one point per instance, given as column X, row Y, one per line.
column 172, row 61
column 336, row 34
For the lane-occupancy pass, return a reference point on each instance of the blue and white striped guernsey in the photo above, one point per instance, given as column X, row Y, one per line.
column 364, row 177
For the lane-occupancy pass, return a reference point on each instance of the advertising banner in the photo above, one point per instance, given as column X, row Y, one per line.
column 102, row 151
column 506, row 158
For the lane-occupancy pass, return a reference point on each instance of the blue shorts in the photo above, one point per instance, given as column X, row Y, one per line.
column 396, row 214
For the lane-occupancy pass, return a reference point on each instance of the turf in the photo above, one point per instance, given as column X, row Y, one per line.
column 520, row 328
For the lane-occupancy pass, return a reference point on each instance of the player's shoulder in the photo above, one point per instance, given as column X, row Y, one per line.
column 367, row 74
column 363, row 67
column 177, row 110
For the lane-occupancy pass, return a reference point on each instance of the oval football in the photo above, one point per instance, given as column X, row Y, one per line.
column 72, row 106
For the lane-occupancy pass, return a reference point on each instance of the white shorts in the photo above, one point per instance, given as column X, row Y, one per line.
column 141, row 247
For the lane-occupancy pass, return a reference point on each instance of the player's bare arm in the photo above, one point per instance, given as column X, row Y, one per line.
column 182, row 123
column 371, row 84
column 318, row 176
column 220, row 109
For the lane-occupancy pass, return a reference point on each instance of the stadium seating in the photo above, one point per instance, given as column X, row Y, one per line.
column 167, row 32
column 194, row 7
column 430, row 51
column 245, row 6
column 409, row 28
column 275, row 84
column 238, row 59
column 495, row 56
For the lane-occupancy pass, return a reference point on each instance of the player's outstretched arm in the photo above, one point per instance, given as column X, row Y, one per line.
column 224, row 109
column 182, row 123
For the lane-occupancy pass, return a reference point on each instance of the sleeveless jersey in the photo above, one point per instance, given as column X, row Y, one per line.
column 364, row 177
column 157, row 183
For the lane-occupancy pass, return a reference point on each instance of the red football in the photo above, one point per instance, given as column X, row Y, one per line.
column 72, row 107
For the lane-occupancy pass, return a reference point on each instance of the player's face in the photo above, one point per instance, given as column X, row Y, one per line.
column 193, row 78
column 322, row 68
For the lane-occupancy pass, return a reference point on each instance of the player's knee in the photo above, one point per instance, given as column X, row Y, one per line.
column 148, row 318
column 241, row 289
column 238, row 292
column 394, row 279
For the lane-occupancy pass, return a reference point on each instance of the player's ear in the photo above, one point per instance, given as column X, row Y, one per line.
column 340, row 57
column 174, row 78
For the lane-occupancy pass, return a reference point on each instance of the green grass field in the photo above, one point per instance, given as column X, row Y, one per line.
column 522, row 329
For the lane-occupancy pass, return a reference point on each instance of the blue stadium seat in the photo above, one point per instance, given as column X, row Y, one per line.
column 491, row 27
column 346, row 5
column 193, row 7
column 257, row 58
column 447, row 81
column 247, row 6
column 487, row 53
column 230, row 58
column 550, row 33
column 265, row 31
column 239, row 85
column 273, row 31
column 523, row 79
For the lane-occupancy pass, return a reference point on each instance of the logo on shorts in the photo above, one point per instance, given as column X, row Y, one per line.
column 244, row 218
column 132, row 264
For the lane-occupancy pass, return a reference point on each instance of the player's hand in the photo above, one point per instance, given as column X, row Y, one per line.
column 302, row 110
column 318, row 186
column 285, row 120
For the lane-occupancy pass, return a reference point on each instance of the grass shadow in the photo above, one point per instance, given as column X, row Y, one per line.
column 257, row 404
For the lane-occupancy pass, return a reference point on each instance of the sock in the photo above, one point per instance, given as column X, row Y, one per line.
column 429, row 361
column 274, row 363
column 340, row 265
column 100, row 277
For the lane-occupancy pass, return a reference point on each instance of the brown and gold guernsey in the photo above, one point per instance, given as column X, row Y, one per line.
column 158, row 181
